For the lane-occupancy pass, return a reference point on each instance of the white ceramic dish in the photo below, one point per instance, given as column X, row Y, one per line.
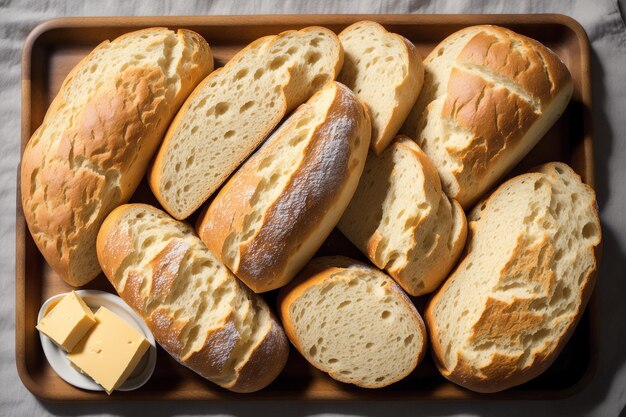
column 95, row 299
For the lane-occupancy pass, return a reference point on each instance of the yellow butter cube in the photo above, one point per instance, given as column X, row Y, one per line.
column 67, row 322
column 110, row 351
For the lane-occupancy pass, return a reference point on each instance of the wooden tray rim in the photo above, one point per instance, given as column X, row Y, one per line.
column 41, row 29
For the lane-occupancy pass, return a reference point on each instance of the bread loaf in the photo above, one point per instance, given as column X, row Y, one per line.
column 353, row 321
column 508, row 309
column 386, row 72
column 489, row 95
column 279, row 207
column 401, row 219
column 234, row 109
column 98, row 136
column 196, row 309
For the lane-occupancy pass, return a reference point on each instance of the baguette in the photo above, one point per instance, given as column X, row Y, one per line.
column 196, row 309
column 276, row 211
column 402, row 221
column 234, row 109
column 489, row 96
column 506, row 312
column 386, row 72
column 98, row 136
column 353, row 322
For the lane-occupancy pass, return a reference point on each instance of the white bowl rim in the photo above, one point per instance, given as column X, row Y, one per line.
column 94, row 299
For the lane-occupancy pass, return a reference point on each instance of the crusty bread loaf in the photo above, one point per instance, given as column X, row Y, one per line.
column 276, row 211
column 353, row 321
column 401, row 219
column 386, row 72
column 234, row 109
column 489, row 95
column 508, row 309
column 196, row 309
column 98, row 136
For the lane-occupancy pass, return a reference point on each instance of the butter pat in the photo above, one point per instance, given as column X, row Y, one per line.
column 67, row 322
column 110, row 351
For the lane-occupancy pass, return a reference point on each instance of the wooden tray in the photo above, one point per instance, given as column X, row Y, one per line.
column 54, row 47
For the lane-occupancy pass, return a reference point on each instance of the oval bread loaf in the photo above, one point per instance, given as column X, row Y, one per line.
column 279, row 207
column 196, row 309
column 234, row 109
column 510, row 306
column 489, row 96
column 402, row 221
column 353, row 321
column 386, row 72
column 98, row 136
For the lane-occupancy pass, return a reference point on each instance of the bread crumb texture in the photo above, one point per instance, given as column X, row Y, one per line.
column 98, row 136
column 197, row 310
column 355, row 323
column 234, row 109
column 401, row 219
column 489, row 95
column 503, row 315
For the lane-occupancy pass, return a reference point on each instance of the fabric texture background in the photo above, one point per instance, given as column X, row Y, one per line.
column 606, row 394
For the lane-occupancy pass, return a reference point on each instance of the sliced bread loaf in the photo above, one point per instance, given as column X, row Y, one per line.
column 386, row 72
column 489, row 96
column 279, row 207
column 234, row 109
column 353, row 321
column 401, row 219
column 508, row 309
column 98, row 137
column 196, row 309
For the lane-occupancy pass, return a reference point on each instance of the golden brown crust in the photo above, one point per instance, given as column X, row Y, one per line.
column 294, row 218
column 503, row 92
column 72, row 181
column 502, row 321
column 152, row 291
column 267, row 360
column 291, row 95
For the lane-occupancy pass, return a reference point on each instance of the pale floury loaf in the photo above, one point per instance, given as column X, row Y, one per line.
column 235, row 108
column 273, row 214
column 489, row 96
column 196, row 309
column 403, row 221
column 386, row 72
column 98, row 136
column 506, row 312
column 353, row 322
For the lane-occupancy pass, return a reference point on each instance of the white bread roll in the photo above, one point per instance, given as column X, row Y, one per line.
column 489, row 96
column 402, row 221
column 386, row 72
column 508, row 309
column 98, row 137
column 274, row 213
column 196, row 309
column 234, row 109
column 353, row 322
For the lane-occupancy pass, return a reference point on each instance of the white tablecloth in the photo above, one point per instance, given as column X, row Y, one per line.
column 605, row 396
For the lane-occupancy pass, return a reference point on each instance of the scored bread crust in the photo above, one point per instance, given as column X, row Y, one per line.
column 98, row 136
column 294, row 222
column 321, row 271
column 489, row 96
column 164, row 175
column 436, row 226
column 226, row 355
column 504, row 370
column 358, row 66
